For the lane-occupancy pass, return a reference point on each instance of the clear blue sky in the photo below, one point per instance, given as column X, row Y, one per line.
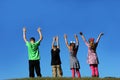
column 57, row 17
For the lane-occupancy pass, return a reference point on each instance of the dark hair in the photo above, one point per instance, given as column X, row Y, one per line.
column 55, row 46
column 32, row 38
column 71, row 44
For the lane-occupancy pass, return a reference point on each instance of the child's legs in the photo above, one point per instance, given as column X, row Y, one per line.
column 78, row 73
column 31, row 69
column 73, row 72
column 96, row 70
column 37, row 68
column 92, row 69
column 54, row 71
column 59, row 70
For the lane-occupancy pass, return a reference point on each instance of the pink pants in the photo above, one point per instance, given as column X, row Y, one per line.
column 77, row 71
column 94, row 69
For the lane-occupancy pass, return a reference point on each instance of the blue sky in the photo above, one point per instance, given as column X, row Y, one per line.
column 56, row 17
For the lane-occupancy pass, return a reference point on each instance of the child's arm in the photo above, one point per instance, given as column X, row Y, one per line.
column 101, row 34
column 83, row 37
column 24, row 34
column 57, row 40
column 77, row 41
column 53, row 42
column 66, row 41
column 40, row 33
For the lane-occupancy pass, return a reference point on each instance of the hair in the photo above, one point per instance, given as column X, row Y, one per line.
column 91, row 39
column 73, row 44
column 92, row 45
column 55, row 46
column 32, row 38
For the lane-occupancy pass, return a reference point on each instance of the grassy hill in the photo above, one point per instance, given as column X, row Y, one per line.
column 68, row 79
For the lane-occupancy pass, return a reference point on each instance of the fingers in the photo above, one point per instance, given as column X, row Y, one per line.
column 65, row 36
column 101, row 33
column 39, row 29
column 75, row 36
column 56, row 38
column 53, row 38
column 24, row 29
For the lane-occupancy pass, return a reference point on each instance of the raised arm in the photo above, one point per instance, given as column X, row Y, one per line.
column 53, row 42
column 57, row 40
column 101, row 34
column 66, row 41
column 77, row 41
column 24, row 34
column 40, row 33
column 83, row 37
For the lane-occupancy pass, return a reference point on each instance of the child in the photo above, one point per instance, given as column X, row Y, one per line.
column 33, row 53
column 55, row 59
column 74, row 63
column 92, row 55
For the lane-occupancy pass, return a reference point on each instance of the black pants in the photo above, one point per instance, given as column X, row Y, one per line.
column 34, row 65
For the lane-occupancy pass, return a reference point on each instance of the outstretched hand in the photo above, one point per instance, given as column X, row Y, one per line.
column 53, row 38
column 75, row 36
column 56, row 38
column 81, row 33
column 24, row 29
column 39, row 30
column 101, row 33
column 65, row 36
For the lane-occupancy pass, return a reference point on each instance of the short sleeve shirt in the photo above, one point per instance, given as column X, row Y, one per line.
column 55, row 57
column 33, row 50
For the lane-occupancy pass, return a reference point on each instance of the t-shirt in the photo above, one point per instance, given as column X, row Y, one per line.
column 55, row 57
column 33, row 50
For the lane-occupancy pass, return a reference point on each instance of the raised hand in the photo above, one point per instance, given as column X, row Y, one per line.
column 81, row 33
column 75, row 36
column 65, row 36
column 24, row 34
column 40, row 33
column 56, row 38
column 101, row 33
column 24, row 29
column 39, row 30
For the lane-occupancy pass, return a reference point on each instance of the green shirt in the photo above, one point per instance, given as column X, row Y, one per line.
column 33, row 50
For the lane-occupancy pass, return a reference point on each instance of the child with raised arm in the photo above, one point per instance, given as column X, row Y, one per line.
column 33, row 54
column 74, row 63
column 92, row 58
column 55, row 58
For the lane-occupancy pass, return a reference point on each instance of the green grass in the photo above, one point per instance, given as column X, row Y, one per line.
column 67, row 79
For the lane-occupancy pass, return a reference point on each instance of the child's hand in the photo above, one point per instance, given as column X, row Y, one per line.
column 81, row 33
column 39, row 30
column 24, row 29
column 65, row 36
column 76, row 36
column 101, row 33
column 56, row 38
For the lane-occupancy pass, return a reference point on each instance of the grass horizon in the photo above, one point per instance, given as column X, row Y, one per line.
column 67, row 78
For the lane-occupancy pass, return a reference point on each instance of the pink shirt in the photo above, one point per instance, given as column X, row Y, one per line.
column 92, row 57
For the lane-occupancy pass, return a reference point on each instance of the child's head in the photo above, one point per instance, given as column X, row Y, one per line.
column 91, row 42
column 72, row 44
column 32, row 40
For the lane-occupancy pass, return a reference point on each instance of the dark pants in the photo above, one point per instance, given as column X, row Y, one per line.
column 34, row 65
